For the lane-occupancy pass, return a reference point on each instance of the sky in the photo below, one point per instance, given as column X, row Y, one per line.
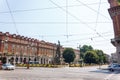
column 72, row 22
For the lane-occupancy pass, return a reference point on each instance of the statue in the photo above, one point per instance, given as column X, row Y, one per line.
column 58, row 54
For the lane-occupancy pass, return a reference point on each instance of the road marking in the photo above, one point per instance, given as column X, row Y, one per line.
column 109, row 76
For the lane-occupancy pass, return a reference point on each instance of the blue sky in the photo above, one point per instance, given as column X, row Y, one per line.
column 85, row 22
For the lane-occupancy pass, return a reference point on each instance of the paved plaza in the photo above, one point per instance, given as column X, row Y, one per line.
column 64, row 73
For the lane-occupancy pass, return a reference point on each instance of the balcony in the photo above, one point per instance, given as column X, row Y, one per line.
column 115, row 41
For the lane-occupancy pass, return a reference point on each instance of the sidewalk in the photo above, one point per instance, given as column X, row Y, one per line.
column 103, row 67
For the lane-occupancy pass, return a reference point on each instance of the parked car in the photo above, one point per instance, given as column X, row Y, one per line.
column 8, row 66
column 114, row 67
column 112, row 64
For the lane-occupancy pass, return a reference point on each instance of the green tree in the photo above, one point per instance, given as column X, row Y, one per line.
column 90, row 57
column 119, row 1
column 84, row 49
column 100, row 55
column 68, row 55
column 106, row 58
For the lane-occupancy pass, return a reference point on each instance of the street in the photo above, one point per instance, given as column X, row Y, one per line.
column 65, row 73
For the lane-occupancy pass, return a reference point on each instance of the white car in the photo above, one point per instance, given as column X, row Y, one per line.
column 114, row 67
column 8, row 66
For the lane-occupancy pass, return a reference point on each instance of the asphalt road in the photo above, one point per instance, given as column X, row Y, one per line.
column 65, row 73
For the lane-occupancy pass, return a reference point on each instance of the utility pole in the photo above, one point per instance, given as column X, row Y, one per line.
column 80, row 60
column 28, row 54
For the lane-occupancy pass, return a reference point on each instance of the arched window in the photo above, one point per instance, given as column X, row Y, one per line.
column 44, row 60
column 24, row 60
column 35, row 59
column 21, row 60
column 41, row 61
column 16, row 60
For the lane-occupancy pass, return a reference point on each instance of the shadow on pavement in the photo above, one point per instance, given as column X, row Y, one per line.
column 102, row 71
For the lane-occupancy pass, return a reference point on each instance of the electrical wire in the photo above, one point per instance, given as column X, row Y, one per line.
column 77, row 19
column 73, row 35
column 88, row 38
column 12, row 16
column 92, row 9
column 67, row 13
column 38, row 9
column 100, row 22
column 97, row 14
column 67, row 19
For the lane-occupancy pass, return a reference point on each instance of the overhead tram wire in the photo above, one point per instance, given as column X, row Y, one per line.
column 77, row 19
column 98, row 44
column 37, row 9
column 95, row 11
column 53, row 22
column 96, row 20
column 107, row 34
column 87, row 38
column 73, row 35
column 92, row 9
column 12, row 17
column 97, row 14
column 67, row 20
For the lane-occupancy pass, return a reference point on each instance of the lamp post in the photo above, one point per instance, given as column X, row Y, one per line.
column 28, row 66
column 28, row 50
column 81, row 59
column 100, row 59
column 14, row 57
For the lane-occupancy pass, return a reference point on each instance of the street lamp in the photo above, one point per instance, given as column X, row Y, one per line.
column 81, row 59
column 13, row 56
column 28, row 66
column 100, row 59
column 28, row 48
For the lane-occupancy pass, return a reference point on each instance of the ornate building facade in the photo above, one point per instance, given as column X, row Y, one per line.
column 20, row 49
column 114, row 12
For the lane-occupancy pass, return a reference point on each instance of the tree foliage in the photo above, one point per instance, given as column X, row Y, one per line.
column 90, row 57
column 87, row 51
column 84, row 49
column 105, row 59
column 102, row 56
column 68, row 55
